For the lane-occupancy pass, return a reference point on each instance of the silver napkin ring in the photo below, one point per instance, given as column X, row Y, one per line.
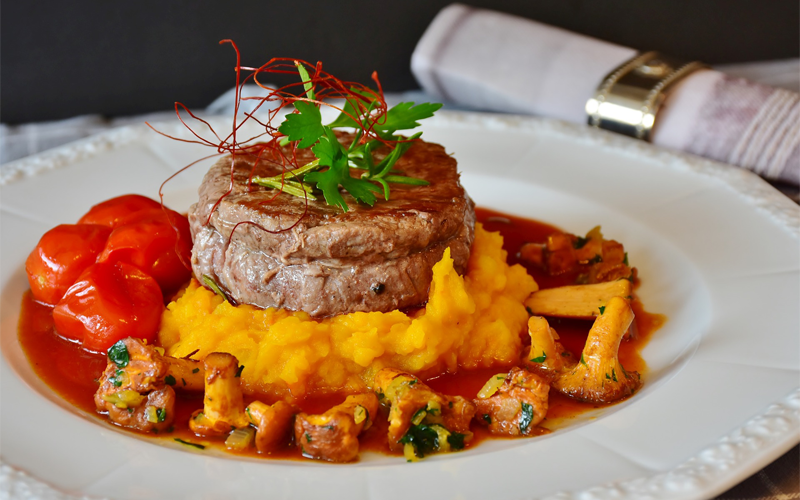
column 628, row 99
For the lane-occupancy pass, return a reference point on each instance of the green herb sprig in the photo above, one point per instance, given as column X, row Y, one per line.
column 331, row 169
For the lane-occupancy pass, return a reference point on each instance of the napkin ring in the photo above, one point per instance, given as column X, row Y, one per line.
column 628, row 99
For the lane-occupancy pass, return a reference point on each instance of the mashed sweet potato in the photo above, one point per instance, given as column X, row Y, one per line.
column 469, row 322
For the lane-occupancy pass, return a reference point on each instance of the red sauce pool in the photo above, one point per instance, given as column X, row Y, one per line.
column 72, row 372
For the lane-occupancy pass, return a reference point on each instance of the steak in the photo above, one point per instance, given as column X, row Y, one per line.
column 375, row 258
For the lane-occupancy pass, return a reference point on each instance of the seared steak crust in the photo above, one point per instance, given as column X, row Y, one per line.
column 367, row 259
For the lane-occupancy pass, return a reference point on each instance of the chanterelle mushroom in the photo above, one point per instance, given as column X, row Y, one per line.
column 513, row 404
column 132, row 387
column 333, row 435
column 421, row 420
column 223, row 405
column 547, row 356
column 599, row 377
column 272, row 423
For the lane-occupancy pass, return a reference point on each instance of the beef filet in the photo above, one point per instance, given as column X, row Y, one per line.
column 368, row 259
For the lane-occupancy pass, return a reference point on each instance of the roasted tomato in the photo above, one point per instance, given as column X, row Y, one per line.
column 156, row 241
column 109, row 302
column 61, row 256
column 110, row 212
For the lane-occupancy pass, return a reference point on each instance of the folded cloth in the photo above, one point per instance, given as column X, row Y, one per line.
column 500, row 62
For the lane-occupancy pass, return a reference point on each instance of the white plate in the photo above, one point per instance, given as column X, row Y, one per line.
column 716, row 246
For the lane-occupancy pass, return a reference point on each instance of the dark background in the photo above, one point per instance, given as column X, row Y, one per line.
column 64, row 58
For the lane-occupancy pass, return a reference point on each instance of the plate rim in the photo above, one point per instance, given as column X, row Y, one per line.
column 782, row 416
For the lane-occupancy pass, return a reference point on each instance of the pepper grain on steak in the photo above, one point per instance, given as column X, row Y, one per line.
column 367, row 259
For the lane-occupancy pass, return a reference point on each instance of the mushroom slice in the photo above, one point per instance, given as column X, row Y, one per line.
column 599, row 376
column 133, row 390
column 333, row 435
column 272, row 423
column 517, row 406
column 223, row 404
column 422, row 421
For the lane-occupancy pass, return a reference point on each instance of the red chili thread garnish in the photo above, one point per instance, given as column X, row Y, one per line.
column 326, row 87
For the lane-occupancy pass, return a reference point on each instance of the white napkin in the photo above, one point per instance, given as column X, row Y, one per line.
column 499, row 62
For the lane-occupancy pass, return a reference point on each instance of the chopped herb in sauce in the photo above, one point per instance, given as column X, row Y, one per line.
column 188, row 443
column 540, row 359
column 579, row 242
column 116, row 380
column 456, row 441
column 118, row 353
column 423, row 438
column 525, row 418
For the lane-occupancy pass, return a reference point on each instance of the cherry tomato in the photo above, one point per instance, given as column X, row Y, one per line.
column 61, row 256
column 109, row 302
column 110, row 212
column 149, row 240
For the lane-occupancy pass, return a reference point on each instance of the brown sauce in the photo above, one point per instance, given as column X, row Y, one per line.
column 72, row 372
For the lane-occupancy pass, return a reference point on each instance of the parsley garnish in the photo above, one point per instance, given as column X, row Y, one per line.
column 239, row 371
column 596, row 259
column 169, row 380
column 625, row 260
column 540, row 359
column 423, row 438
column 161, row 414
column 582, row 361
column 196, row 370
column 188, row 443
column 525, row 418
column 579, row 242
column 118, row 353
column 614, row 374
column 487, row 418
column 210, row 283
column 362, row 112
column 602, row 310
column 456, row 441
column 308, row 437
column 116, row 380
